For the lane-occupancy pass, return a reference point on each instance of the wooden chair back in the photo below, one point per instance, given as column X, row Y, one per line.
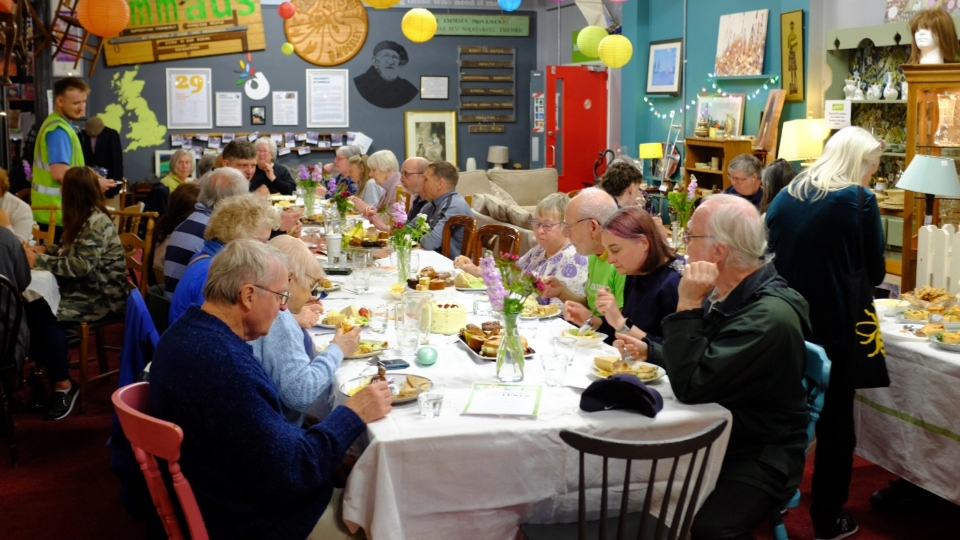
column 691, row 447
column 469, row 226
column 496, row 238
column 46, row 237
column 11, row 315
column 137, row 252
column 24, row 195
column 151, row 438
column 128, row 219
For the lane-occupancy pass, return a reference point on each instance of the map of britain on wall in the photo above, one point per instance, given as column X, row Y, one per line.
column 741, row 42
column 327, row 32
column 133, row 111
column 902, row 10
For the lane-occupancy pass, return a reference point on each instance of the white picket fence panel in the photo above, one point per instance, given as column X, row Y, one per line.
column 938, row 257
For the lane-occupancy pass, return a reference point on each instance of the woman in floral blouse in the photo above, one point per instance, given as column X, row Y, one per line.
column 554, row 254
column 90, row 270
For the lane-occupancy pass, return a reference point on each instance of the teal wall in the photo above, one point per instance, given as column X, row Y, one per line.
column 653, row 20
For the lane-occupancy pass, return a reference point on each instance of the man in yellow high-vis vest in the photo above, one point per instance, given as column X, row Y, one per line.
column 58, row 148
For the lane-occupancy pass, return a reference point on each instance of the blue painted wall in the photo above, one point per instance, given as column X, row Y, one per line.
column 655, row 20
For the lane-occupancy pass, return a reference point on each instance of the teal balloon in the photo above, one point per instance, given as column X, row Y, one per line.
column 508, row 5
column 427, row 356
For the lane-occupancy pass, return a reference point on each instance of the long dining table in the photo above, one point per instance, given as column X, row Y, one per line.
column 480, row 477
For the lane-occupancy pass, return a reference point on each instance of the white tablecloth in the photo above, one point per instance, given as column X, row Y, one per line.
column 43, row 284
column 481, row 477
column 912, row 428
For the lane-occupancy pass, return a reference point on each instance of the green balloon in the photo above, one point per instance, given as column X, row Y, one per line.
column 287, row 49
column 588, row 40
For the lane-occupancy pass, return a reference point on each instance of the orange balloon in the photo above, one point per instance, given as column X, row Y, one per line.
column 105, row 18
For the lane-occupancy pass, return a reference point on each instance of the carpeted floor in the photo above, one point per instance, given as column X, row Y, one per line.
column 64, row 489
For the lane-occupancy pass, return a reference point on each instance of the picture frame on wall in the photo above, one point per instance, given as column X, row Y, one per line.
column 434, row 87
column 720, row 109
column 740, row 43
column 664, row 67
column 791, row 54
column 161, row 162
column 258, row 115
column 431, row 135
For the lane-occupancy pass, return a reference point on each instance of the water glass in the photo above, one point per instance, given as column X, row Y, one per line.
column 361, row 280
column 408, row 337
column 554, row 369
column 481, row 306
column 528, row 326
column 414, row 263
column 380, row 317
column 565, row 346
column 430, row 402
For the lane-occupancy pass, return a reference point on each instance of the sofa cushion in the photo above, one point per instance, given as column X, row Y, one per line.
column 520, row 217
column 479, row 203
column 528, row 187
column 496, row 208
column 502, row 194
column 473, row 182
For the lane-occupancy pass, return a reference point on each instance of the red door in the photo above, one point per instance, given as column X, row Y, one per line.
column 576, row 123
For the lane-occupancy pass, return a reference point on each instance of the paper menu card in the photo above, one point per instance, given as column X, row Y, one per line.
column 500, row 399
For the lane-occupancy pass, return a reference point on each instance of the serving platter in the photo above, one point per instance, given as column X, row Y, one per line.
column 529, row 354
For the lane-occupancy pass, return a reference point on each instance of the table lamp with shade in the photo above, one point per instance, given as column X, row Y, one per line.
column 802, row 140
column 651, row 150
column 932, row 176
column 498, row 155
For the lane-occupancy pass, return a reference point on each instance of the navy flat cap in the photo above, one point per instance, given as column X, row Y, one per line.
column 621, row 391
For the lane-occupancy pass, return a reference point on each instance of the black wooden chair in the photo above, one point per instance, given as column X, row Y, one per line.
column 642, row 525
column 11, row 315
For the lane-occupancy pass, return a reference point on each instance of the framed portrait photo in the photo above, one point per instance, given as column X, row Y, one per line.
column 431, row 135
column 664, row 67
column 791, row 54
column 718, row 109
column 258, row 115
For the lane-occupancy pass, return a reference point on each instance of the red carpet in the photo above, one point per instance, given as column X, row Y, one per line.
column 63, row 487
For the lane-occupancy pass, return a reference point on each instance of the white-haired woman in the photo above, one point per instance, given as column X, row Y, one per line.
column 385, row 171
column 275, row 179
column 181, row 169
column 341, row 168
column 819, row 237
column 286, row 352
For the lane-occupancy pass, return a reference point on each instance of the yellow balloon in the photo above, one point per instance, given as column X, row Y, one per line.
column 287, row 48
column 419, row 25
column 615, row 51
column 381, row 4
column 589, row 39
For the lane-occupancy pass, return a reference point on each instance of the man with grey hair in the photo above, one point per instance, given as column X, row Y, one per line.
column 411, row 176
column 583, row 224
column 187, row 239
column 254, row 474
column 745, row 178
column 737, row 339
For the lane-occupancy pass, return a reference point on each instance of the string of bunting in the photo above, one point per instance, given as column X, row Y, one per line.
column 772, row 81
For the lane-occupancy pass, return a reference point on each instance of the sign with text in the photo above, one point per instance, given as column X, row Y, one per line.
column 451, row 24
column 161, row 30
column 837, row 113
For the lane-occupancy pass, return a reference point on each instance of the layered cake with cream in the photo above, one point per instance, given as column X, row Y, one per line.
column 448, row 319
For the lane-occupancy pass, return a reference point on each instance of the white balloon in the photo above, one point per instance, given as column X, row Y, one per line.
column 258, row 87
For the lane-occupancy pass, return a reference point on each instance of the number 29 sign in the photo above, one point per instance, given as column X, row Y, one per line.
column 189, row 100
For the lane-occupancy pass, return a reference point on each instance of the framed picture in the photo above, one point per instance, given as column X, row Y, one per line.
column 791, row 54
column 740, row 43
column 722, row 109
column 663, row 67
column 161, row 162
column 189, row 99
column 258, row 115
column 434, row 87
column 431, row 135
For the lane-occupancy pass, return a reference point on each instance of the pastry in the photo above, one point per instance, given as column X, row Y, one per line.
column 355, row 242
column 384, row 235
column 930, row 329
column 607, row 363
column 326, row 283
column 447, row 319
column 425, row 283
column 437, row 285
column 491, row 345
column 413, row 282
column 915, row 315
column 443, row 275
column 428, row 272
column 490, row 326
column 333, row 318
column 951, row 338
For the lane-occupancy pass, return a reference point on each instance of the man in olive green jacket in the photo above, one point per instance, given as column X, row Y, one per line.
column 737, row 339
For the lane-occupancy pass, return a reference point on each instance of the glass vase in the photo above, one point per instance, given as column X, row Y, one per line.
column 510, row 354
column 403, row 264
column 309, row 200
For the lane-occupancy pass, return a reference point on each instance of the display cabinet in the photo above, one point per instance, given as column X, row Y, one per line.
column 703, row 150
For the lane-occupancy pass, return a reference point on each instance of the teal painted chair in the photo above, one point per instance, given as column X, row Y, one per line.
column 815, row 381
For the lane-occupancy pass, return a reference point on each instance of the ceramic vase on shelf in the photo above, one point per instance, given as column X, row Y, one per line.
column 510, row 354
column 890, row 91
column 701, row 130
column 850, row 88
column 874, row 92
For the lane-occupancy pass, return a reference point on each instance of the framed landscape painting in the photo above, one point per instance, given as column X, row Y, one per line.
column 431, row 135
column 664, row 67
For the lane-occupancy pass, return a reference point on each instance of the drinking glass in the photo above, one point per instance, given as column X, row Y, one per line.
column 554, row 369
column 565, row 346
column 408, row 337
column 430, row 402
column 481, row 306
column 380, row 316
column 361, row 280
column 529, row 326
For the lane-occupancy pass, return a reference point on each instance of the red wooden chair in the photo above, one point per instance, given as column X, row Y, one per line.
column 151, row 438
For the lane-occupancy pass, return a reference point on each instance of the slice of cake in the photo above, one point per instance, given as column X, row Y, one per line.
column 447, row 319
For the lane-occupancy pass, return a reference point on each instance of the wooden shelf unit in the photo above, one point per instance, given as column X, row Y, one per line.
column 701, row 149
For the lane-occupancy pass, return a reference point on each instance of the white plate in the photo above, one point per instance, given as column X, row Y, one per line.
column 948, row 326
column 333, row 327
column 944, row 346
column 346, row 387
column 660, row 373
column 356, row 356
column 893, row 331
column 467, row 289
column 586, row 342
column 336, row 287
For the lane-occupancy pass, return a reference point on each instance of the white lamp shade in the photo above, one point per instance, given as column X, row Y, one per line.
column 932, row 175
column 498, row 155
column 802, row 139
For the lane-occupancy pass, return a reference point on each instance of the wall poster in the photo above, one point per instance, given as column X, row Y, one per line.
column 328, row 98
column 285, row 110
column 189, row 100
column 229, row 109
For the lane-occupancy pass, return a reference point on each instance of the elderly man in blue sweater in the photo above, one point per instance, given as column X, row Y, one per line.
column 254, row 474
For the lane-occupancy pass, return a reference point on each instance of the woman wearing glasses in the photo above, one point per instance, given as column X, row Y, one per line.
column 385, row 171
column 286, row 352
column 638, row 251
column 745, row 178
column 554, row 254
column 242, row 216
column 341, row 169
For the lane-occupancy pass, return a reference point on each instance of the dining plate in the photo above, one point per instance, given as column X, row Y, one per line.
column 475, row 354
column 945, row 346
column 336, row 287
column 378, row 347
column 422, row 384
column 895, row 331
column 948, row 326
column 592, row 340
column 334, row 327
column 647, row 379
column 468, row 289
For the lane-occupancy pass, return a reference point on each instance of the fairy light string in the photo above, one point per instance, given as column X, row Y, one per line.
column 714, row 86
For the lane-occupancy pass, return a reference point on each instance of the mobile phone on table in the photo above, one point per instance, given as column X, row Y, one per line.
column 395, row 363
column 338, row 271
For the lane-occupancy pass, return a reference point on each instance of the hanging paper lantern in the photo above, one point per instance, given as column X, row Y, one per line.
column 287, row 48
column 381, row 4
column 105, row 18
column 419, row 25
column 287, row 10
column 589, row 39
column 615, row 51
column 508, row 5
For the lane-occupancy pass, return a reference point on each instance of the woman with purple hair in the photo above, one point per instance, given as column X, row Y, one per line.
column 637, row 249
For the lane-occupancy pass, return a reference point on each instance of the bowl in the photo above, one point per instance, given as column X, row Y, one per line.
column 592, row 340
column 890, row 307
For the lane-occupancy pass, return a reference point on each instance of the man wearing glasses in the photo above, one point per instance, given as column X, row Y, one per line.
column 737, row 339
column 583, row 224
column 411, row 176
column 745, row 179
column 440, row 190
